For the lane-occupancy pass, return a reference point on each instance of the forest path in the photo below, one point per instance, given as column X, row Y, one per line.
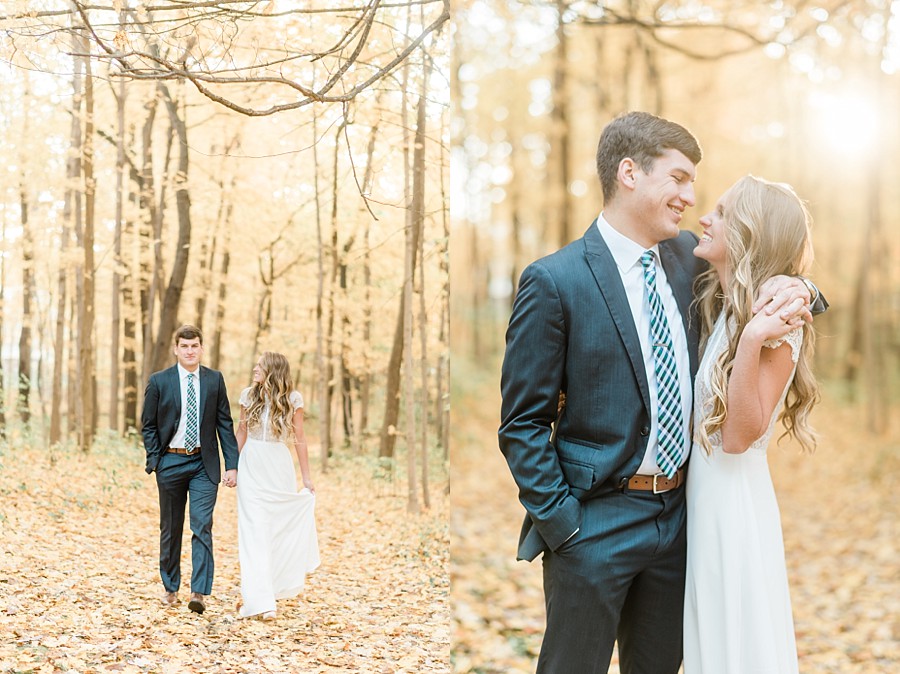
column 80, row 589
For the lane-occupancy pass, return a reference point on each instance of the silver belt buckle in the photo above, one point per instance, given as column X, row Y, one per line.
column 655, row 489
column 191, row 452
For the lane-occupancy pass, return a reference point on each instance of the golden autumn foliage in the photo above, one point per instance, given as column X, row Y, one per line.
column 80, row 591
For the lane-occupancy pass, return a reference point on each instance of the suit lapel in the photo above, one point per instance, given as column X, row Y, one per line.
column 205, row 383
column 681, row 283
column 606, row 273
column 174, row 384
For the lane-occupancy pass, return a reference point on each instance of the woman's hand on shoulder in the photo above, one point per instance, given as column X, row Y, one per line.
column 763, row 327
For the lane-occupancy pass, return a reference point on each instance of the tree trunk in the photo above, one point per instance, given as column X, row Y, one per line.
column 115, row 327
column 264, row 305
column 560, row 203
column 879, row 310
column 418, row 214
column 23, row 401
column 59, row 339
column 409, row 387
column 515, row 214
column 40, row 381
column 442, row 398
column 365, row 383
column 332, row 281
column 392, row 387
column 129, row 348
column 149, row 242
column 348, row 380
column 74, row 411
column 23, row 379
column 131, row 294
column 222, row 292
column 393, row 390
column 208, row 257
column 321, row 366
column 168, row 320
column 85, row 402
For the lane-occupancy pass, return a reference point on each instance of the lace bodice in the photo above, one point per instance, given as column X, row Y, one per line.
column 702, row 404
column 264, row 431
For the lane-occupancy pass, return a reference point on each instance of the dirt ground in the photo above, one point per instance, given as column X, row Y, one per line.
column 79, row 584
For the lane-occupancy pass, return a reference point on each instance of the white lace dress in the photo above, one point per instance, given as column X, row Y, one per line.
column 737, row 610
column 277, row 541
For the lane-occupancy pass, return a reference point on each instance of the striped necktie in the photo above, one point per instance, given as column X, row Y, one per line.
column 669, row 418
column 191, row 427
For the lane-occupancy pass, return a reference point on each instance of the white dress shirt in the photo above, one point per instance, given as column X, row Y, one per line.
column 627, row 254
column 178, row 439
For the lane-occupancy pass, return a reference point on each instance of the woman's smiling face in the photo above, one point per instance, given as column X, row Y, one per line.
column 711, row 246
column 258, row 373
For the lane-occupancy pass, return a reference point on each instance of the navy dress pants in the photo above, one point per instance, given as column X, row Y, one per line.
column 179, row 476
column 621, row 577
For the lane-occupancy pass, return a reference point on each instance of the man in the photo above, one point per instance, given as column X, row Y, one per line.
column 604, row 495
column 186, row 415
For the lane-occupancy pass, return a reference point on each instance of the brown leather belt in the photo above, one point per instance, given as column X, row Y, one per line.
column 182, row 450
column 657, row 484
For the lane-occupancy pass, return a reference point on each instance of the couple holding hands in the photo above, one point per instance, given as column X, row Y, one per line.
column 186, row 417
column 645, row 368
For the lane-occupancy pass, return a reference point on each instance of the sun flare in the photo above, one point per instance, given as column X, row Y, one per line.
column 847, row 124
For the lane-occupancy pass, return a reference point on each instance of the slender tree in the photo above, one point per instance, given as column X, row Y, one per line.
column 168, row 319
column 409, row 387
column 149, row 237
column 366, row 347
column 222, row 291
column 321, row 363
column 23, row 404
column 116, row 299
column 442, row 394
column 84, row 279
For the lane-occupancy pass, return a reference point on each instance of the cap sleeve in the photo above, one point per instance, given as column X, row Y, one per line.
column 296, row 400
column 794, row 338
column 245, row 397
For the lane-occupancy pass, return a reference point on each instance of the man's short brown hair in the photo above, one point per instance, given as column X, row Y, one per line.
column 188, row 332
column 642, row 137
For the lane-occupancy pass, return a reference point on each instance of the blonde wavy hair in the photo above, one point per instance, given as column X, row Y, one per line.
column 276, row 388
column 766, row 234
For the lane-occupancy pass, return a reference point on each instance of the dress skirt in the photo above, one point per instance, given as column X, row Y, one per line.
column 277, row 541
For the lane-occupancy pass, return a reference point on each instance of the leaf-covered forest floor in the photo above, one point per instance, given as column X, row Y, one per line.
column 840, row 510
column 80, row 589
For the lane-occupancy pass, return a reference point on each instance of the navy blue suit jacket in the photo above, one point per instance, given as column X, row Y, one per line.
column 571, row 331
column 162, row 412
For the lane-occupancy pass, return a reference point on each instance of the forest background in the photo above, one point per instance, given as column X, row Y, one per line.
column 251, row 168
column 275, row 173
column 793, row 91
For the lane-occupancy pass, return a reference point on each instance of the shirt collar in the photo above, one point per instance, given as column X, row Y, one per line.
column 626, row 252
column 182, row 373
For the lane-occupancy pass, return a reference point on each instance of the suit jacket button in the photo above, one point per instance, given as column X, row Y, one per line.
column 645, row 430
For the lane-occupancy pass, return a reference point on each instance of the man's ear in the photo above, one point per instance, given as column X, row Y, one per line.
column 625, row 174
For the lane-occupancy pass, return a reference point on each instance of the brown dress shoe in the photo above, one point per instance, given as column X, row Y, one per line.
column 170, row 598
column 196, row 604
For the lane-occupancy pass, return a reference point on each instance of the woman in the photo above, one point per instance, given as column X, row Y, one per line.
column 737, row 604
column 276, row 524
